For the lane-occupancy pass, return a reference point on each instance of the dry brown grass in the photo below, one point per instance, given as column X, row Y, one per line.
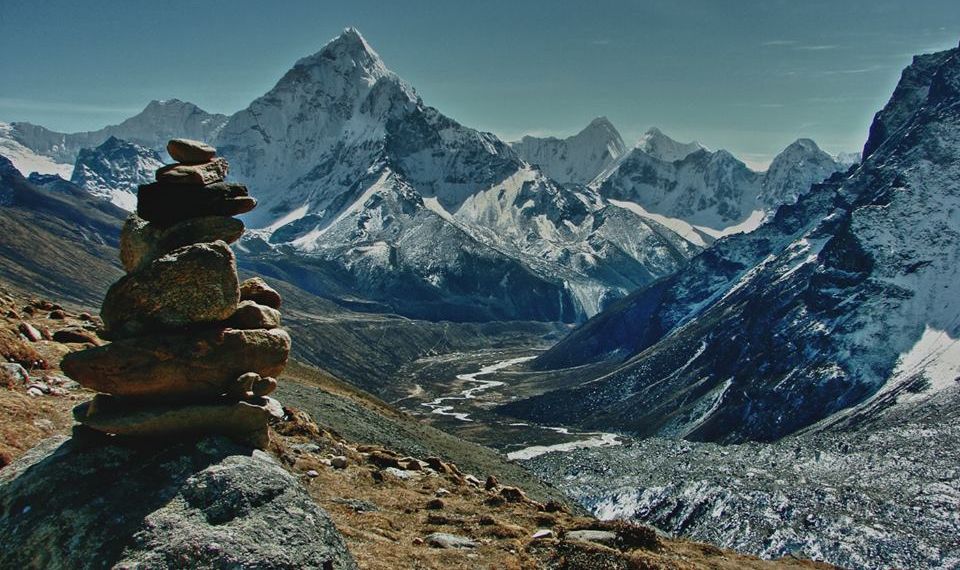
column 26, row 420
column 391, row 536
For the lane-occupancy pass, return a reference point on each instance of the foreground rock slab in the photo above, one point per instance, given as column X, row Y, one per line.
column 212, row 504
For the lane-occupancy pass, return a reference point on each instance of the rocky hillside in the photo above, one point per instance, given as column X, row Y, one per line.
column 55, row 238
column 843, row 306
column 368, row 486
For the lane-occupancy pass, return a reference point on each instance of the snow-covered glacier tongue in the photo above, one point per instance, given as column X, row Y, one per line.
column 832, row 333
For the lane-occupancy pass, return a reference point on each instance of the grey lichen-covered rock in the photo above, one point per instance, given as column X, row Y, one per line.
column 447, row 540
column 214, row 504
column 179, row 366
column 137, row 242
column 190, row 285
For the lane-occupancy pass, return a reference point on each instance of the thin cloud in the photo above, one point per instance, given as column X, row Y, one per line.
column 821, row 47
column 61, row 107
column 853, row 71
column 794, row 44
column 601, row 42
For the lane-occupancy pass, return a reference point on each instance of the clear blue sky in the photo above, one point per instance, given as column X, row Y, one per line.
column 749, row 76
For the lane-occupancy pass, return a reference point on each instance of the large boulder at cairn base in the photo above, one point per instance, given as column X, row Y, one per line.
column 245, row 422
column 212, row 504
column 176, row 366
column 191, row 285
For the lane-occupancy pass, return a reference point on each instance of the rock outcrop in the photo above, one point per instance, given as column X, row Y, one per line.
column 194, row 352
column 216, row 504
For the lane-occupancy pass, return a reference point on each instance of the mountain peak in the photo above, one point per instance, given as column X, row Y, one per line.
column 349, row 49
column 804, row 144
column 661, row 146
column 601, row 121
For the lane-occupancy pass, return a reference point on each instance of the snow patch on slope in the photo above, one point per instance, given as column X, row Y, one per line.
column 26, row 160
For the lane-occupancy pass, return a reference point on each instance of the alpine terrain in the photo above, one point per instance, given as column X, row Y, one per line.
column 831, row 329
column 377, row 201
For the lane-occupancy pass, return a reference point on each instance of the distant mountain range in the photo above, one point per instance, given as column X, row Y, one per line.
column 843, row 306
column 825, row 345
column 375, row 200
column 700, row 194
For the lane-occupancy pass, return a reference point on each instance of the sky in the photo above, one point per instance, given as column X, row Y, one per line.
column 747, row 76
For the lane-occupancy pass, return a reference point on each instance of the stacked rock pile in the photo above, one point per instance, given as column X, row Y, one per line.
column 193, row 350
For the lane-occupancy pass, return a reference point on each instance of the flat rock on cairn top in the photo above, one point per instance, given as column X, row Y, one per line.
column 194, row 351
column 189, row 151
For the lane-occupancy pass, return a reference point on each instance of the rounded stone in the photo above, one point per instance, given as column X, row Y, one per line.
column 197, row 365
column 256, row 289
column 189, row 151
column 142, row 241
column 205, row 229
column 251, row 315
column 243, row 386
column 264, row 386
column 191, row 285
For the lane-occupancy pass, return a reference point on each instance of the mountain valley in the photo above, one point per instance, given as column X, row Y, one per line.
column 765, row 361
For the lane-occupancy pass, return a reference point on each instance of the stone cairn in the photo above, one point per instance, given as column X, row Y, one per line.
column 193, row 350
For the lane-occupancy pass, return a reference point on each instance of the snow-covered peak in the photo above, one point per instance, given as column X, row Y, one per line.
column 601, row 126
column 793, row 171
column 348, row 55
column 113, row 170
column 659, row 145
column 348, row 47
column 579, row 158
column 847, row 158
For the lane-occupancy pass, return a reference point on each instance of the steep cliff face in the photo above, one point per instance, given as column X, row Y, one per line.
column 846, row 297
